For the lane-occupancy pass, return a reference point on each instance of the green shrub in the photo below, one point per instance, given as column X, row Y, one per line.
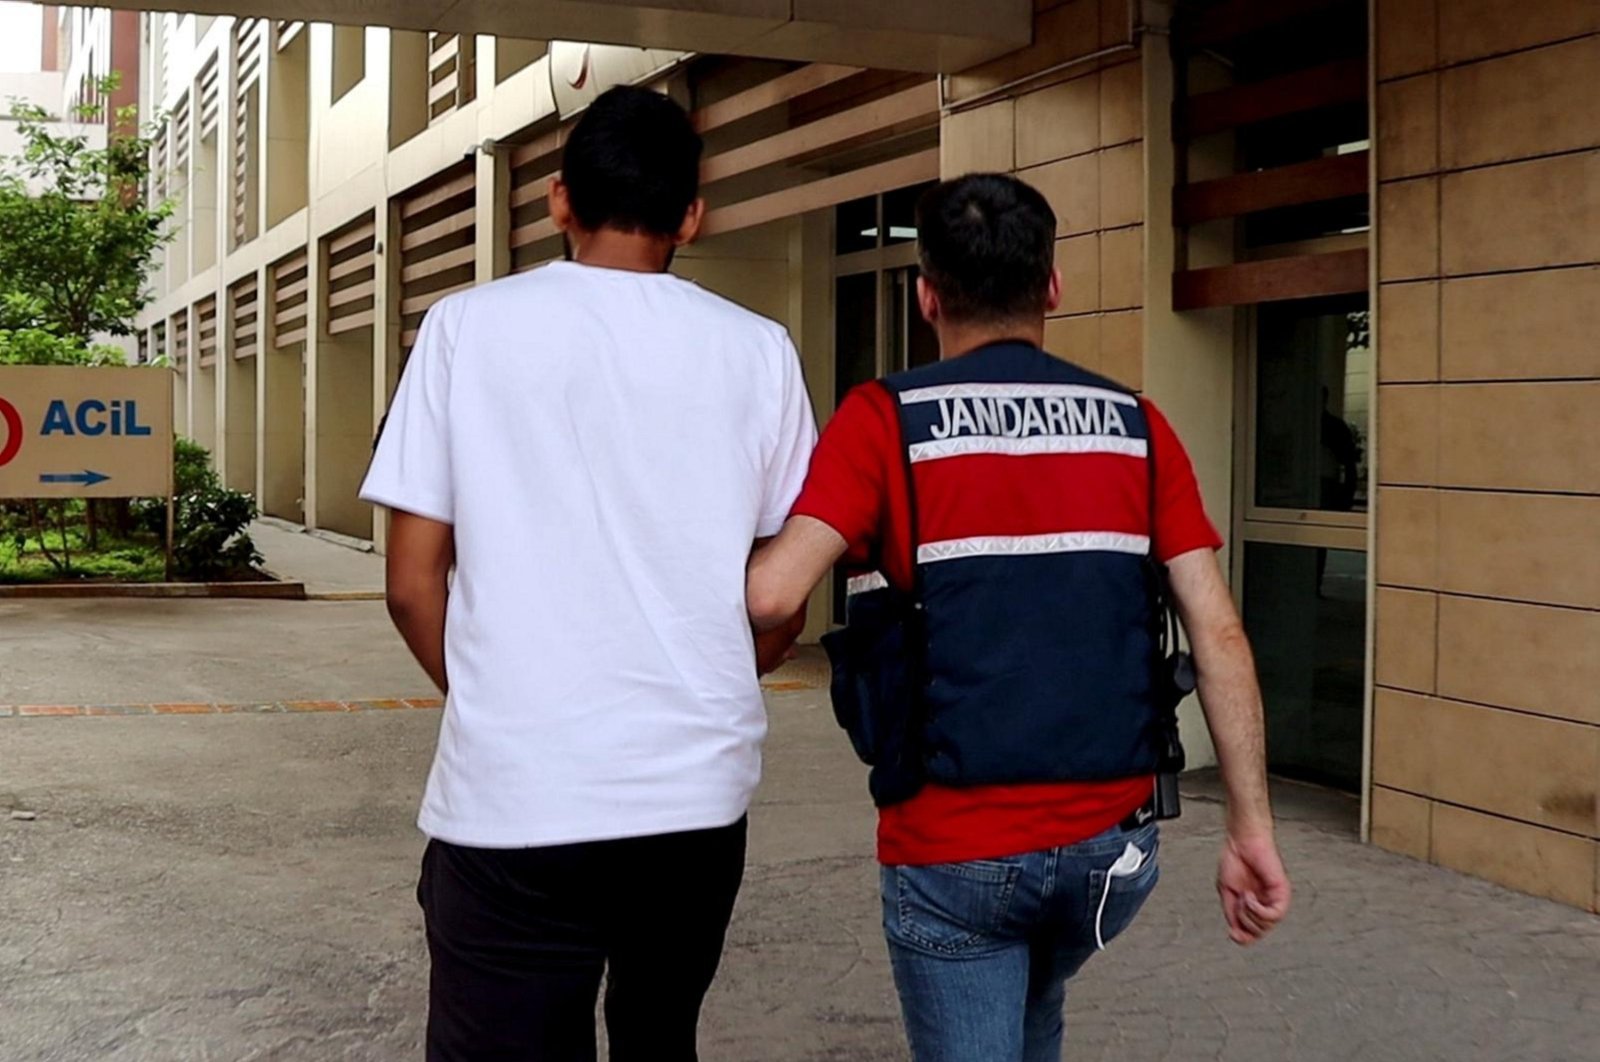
column 210, row 539
column 40, row 346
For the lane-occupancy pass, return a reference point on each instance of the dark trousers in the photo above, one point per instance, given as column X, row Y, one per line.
column 519, row 939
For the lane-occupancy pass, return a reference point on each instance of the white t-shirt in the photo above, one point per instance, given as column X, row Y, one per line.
column 607, row 445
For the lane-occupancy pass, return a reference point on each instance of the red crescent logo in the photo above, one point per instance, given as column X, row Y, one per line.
column 581, row 78
column 13, row 437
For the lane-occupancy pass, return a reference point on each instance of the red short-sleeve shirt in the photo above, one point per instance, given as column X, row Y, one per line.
column 857, row 486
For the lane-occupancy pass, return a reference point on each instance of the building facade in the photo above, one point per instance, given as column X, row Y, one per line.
column 45, row 89
column 1353, row 250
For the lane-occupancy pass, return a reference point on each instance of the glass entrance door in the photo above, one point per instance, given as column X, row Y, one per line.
column 877, row 326
column 1302, row 530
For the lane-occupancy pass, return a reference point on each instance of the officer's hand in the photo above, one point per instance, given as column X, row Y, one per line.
column 1253, row 886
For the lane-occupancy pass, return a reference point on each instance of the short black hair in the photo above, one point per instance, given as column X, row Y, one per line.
column 632, row 163
column 987, row 246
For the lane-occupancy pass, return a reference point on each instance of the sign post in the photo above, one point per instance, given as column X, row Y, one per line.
column 82, row 432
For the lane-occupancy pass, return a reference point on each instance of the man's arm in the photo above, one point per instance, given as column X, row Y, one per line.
column 775, row 646
column 784, row 572
column 1250, row 876
column 421, row 552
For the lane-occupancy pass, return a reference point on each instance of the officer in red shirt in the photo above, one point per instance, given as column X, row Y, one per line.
column 1012, row 515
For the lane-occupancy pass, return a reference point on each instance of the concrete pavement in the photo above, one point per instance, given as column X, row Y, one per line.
column 112, row 651
column 329, row 570
column 240, row 887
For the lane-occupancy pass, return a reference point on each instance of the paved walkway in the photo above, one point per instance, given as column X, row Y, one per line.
column 329, row 570
column 239, row 886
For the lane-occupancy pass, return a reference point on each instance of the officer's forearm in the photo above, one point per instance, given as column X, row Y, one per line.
column 1231, row 699
column 1229, row 692
column 783, row 572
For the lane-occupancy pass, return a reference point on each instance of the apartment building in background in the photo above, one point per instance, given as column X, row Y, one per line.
column 1353, row 250
column 46, row 89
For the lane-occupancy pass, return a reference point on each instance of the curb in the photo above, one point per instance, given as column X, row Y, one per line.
column 272, row 591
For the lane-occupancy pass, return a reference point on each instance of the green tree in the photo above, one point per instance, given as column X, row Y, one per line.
column 76, row 258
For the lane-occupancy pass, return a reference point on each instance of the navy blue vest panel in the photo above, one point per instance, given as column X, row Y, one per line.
column 1039, row 669
column 1038, row 600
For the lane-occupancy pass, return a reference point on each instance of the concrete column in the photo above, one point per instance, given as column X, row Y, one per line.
column 264, row 350
column 239, row 403
column 1188, row 358
column 282, row 431
column 386, row 336
column 343, row 427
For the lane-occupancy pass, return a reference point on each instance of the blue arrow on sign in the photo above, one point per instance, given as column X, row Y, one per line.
column 85, row 478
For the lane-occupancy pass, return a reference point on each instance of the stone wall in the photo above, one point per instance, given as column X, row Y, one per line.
column 1486, row 729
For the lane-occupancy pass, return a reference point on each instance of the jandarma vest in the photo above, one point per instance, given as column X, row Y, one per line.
column 1027, row 649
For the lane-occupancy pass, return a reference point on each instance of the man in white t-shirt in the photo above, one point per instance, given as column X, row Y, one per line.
column 594, row 447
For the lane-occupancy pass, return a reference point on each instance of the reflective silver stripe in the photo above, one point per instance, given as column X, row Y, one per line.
column 861, row 584
column 1033, row 444
column 1014, row 390
column 1028, row 545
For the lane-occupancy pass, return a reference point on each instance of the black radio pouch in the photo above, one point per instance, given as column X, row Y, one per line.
column 879, row 671
column 1173, row 676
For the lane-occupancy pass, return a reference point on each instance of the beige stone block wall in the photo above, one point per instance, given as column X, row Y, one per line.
column 1077, row 136
column 1486, row 716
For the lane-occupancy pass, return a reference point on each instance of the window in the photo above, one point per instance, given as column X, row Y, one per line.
column 877, row 326
column 1311, row 409
column 1305, row 610
column 1301, row 524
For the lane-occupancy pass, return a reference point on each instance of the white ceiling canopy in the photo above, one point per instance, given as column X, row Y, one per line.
column 925, row 35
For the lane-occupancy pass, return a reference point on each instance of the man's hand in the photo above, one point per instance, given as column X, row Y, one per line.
column 1253, row 887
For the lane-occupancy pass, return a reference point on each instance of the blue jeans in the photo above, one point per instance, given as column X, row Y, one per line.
column 982, row 950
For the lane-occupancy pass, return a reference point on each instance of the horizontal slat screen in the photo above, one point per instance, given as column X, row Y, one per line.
column 1298, row 277
column 437, row 244
column 827, row 192
column 243, row 219
column 205, row 321
column 771, row 93
column 288, row 30
column 1280, row 90
column 246, row 331
column 160, row 168
column 210, row 97
column 1333, row 177
column 1236, row 18
column 248, row 49
column 533, row 234
column 351, row 279
column 452, row 69
column 181, row 134
column 813, row 137
column 290, row 280
column 802, row 138
column 158, row 341
column 1341, row 81
column 180, row 339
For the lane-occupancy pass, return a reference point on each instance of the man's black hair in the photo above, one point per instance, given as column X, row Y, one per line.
column 987, row 245
column 632, row 163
